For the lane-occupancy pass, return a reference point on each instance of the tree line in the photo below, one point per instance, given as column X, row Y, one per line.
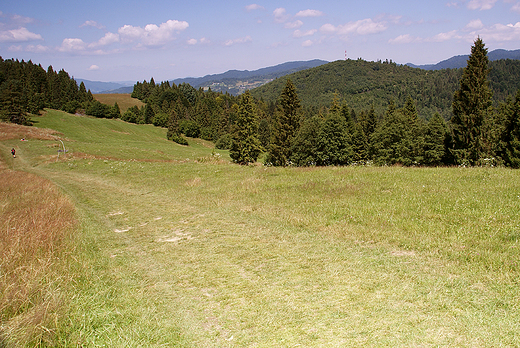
column 290, row 131
column 479, row 130
column 477, row 135
column 27, row 88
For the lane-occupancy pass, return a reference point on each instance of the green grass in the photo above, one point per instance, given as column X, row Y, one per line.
column 179, row 248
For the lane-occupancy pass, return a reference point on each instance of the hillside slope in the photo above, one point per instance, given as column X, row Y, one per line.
column 362, row 84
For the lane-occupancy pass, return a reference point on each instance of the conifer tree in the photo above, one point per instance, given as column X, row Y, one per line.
column 334, row 141
column 471, row 108
column 511, row 134
column 246, row 146
column 286, row 124
column 435, row 139
column 174, row 134
column 305, row 144
column 148, row 114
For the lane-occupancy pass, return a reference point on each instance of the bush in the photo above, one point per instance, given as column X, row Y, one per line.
column 160, row 120
column 177, row 138
column 224, row 142
column 133, row 115
column 71, row 106
column 189, row 128
column 206, row 133
column 96, row 109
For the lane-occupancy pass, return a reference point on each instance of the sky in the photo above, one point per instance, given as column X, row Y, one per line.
column 131, row 40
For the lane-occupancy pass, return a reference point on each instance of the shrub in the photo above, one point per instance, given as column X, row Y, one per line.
column 177, row 138
column 189, row 128
column 224, row 142
column 160, row 119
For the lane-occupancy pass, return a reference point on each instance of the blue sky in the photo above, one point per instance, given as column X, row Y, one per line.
column 133, row 41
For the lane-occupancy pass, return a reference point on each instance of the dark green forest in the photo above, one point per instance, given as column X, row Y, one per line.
column 341, row 113
column 27, row 88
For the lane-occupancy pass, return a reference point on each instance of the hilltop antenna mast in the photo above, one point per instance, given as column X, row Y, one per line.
column 345, row 54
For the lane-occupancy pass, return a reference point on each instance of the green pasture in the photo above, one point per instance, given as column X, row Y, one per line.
column 178, row 247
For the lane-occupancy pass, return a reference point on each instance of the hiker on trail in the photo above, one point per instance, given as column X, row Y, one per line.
column 13, row 152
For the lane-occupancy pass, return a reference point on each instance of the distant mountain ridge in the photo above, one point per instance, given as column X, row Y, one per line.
column 103, row 87
column 457, row 62
column 237, row 81
column 231, row 81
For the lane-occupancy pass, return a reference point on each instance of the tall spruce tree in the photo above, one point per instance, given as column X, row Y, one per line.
column 306, row 141
column 511, row 133
column 245, row 147
column 334, row 141
column 435, row 139
column 472, row 108
column 285, row 127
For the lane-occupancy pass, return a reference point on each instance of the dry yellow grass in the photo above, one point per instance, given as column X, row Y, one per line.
column 36, row 222
column 124, row 101
column 10, row 131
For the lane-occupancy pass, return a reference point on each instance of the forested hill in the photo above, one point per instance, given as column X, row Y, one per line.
column 362, row 84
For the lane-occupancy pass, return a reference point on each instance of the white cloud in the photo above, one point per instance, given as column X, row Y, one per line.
column 494, row 33
column 14, row 48
column 92, row 24
column 299, row 33
column 328, row 28
column 500, row 32
column 204, row 41
column 108, row 39
column 516, row 7
column 481, row 4
column 192, row 42
column 279, row 15
column 72, row 45
column 21, row 19
column 293, row 25
column 452, row 4
column 445, row 36
column 238, row 41
column 441, row 37
column 474, row 25
column 37, row 48
column 403, row 39
column 18, row 35
column 93, row 67
column 360, row 27
column 151, row 34
column 307, row 43
column 253, row 7
column 309, row 13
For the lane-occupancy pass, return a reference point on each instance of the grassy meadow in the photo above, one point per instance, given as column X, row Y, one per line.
column 174, row 246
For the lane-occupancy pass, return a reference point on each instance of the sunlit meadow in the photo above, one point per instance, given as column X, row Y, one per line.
column 176, row 246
